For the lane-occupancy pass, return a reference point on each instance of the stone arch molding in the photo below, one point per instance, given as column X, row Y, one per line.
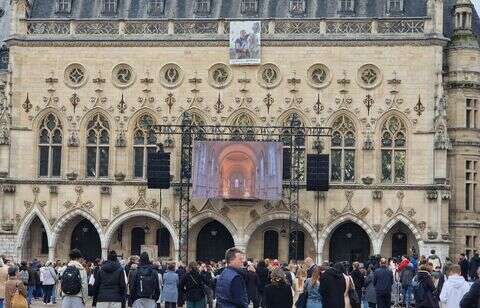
column 25, row 226
column 209, row 214
column 254, row 225
column 392, row 222
column 139, row 213
column 65, row 219
column 327, row 232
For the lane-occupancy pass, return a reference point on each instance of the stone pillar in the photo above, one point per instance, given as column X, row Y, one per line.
column 104, row 253
column 51, row 253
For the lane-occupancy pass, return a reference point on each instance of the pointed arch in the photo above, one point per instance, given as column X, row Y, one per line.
column 388, row 114
column 65, row 219
column 328, row 231
column 25, row 226
column 118, row 221
column 344, row 112
column 212, row 215
column 139, row 113
column 254, row 225
column 195, row 112
column 233, row 118
column 37, row 121
column 392, row 222
column 287, row 113
column 90, row 114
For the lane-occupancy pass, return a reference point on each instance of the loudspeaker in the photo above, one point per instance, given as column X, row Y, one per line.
column 318, row 167
column 287, row 164
column 158, row 170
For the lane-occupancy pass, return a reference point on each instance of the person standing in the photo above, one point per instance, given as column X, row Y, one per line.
column 333, row 287
column 231, row 289
column 264, row 279
column 434, row 259
column 454, row 288
column 474, row 265
column 472, row 298
column 278, row 293
column 464, row 266
column 358, row 279
column 48, row 278
column 423, row 288
column 145, row 289
column 3, row 280
column 252, row 282
column 207, row 277
column 371, row 294
column 310, row 266
column 383, row 281
column 170, row 287
column 193, row 286
column 12, row 285
column 74, row 282
column 312, row 287
column 109, row 289
column 406, row 277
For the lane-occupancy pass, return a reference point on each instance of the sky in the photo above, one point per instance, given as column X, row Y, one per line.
column 477, row 4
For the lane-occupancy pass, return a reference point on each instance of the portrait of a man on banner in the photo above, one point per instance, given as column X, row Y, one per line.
column 245, row 42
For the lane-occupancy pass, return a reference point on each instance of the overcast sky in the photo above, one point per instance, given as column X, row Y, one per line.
column 477, row 4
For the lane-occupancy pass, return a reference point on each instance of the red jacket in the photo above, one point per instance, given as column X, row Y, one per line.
column 403, row 265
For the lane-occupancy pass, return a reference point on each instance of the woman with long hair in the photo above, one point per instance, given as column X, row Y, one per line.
column 312, row 287
column 278, row 293
column 193, row 286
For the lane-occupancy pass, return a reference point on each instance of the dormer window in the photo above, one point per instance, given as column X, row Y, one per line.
column 249, row 6
column 64, row 6
column 346, row 6
column 110, row 7
column 297, row 6
column 156, row 7
column 202, row 7
column 394, row 6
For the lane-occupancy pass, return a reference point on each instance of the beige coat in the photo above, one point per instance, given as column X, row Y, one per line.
column 3, row 280
column 11, row 288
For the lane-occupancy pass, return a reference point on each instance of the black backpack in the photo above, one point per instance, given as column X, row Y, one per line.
column 71, row 281
column 145, row 282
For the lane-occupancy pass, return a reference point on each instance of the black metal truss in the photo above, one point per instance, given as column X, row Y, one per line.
column 293, row 136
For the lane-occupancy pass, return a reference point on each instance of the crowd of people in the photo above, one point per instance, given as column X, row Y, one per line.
column 420, row 282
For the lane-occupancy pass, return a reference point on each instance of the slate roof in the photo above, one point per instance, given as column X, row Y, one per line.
column 138, row 9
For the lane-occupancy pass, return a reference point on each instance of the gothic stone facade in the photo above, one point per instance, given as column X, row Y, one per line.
column 78, row 91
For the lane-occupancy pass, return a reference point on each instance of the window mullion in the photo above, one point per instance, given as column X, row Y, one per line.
column 97, row 162
column 145, row 157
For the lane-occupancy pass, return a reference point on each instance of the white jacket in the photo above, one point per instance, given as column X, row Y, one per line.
column 48, row 276
column 453, row 290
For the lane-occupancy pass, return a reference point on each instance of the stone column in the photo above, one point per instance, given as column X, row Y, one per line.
column 104, row 253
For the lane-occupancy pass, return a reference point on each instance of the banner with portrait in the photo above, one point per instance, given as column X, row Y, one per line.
column 245, row 42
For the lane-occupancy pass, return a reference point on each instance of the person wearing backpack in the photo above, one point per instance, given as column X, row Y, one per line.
column 15, row 291
column 109, row 289
column 423, row 288
column 145, row 289
column 193, row 286
column 27, row 277
column 74, row 284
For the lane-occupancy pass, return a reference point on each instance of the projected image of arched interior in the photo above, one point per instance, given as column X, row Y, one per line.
column 237, row 170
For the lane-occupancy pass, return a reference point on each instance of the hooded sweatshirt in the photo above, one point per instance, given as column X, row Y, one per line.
column 453, row 290
column 110, row 283
column 83, row 274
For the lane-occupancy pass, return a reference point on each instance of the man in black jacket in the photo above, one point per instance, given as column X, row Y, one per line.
column 146, row 287
column 472, row 298
column 464, row 266
column 332, row 286
column 474, row 265
column 110, row 289
column 383, row 280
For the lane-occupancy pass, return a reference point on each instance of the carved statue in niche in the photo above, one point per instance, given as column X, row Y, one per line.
column 441, row 138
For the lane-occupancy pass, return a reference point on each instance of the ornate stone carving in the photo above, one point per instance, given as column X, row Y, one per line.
column 432, row 235
column 116, row 210
column 136, row 28
column 401, row 26
column 105, row 190
column 142, row 201
column 79, row 203
column 104, row 222
column 432, row 194
column 367, row 180
column 422, row 225
column 389, row 212
column 30, row 204
column 5, row 117
column 306, row 214
column 166, row 212
column 411, row 213
column 8, row 188
column 441, row 138
column 97, row 27
column 121, row 141
column 73, row 140
column 446, row 195
column 52, row 220
column 445, row 236
column 377, row 227
column 119, row 176
column 72, row 176
column 254, row 215
column 348, row 27
column 377, row 194
column 49, row 28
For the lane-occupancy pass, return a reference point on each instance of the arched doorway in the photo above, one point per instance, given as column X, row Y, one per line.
column 349, row 242
column 212, row 242
column 399, row 244
column 270, row 244
column 137, row 240
column 399, row 241
column 35, row 241
column 85, row 238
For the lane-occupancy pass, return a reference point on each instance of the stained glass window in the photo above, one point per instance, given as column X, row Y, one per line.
column 343, row 150
column 246, row 131
column 98, row 146
column 50, row 146
column 110, row 6
column 394, row 151
column 298, row 138
column 144, row 142
column 346, row 5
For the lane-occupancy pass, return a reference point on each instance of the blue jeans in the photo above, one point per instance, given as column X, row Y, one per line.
column 1, row 302
column 407, row 295
column 30, row 290
column 54, row 294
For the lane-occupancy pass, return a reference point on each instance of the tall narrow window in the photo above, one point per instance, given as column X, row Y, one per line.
column 298, row 138
column 471, row 183
column 64, row 6
column 110, row 6
column 144, row 142
column 394, row 151
column 343, row 150
column 249, row 6
column 346, row 5
column 50, row 146
column 44, row 249
column 202, row 6
column 270, row 244
column 98, row 144
column 297, row 6
column 163, row 242
column 471, row 115
column 300, row 239
column 394, row 6
column 156, row 7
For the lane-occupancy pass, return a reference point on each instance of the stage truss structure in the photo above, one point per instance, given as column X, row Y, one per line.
column 293, row 138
